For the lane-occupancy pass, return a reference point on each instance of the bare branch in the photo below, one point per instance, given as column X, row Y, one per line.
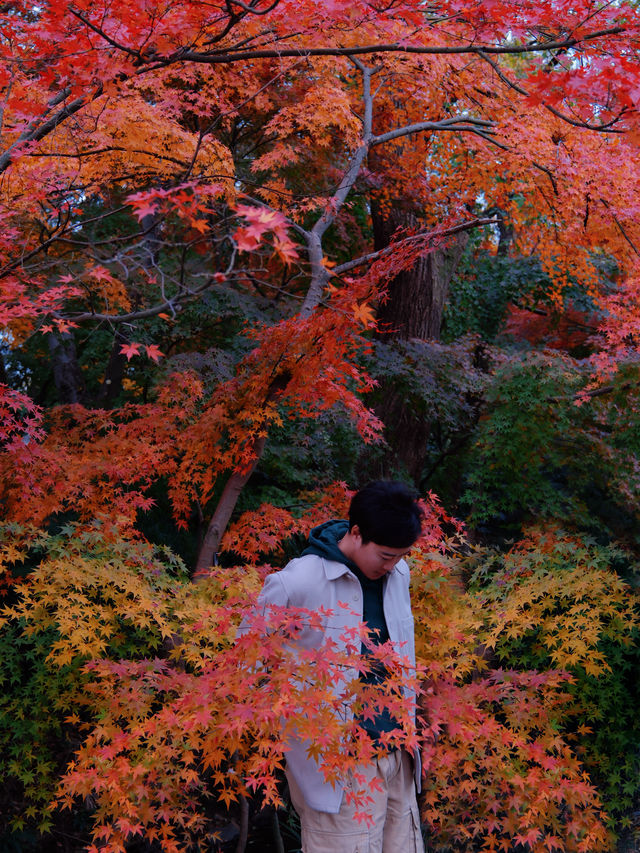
column 173, row 304
column 319, row 275
column 381, row 253
column 461, row 125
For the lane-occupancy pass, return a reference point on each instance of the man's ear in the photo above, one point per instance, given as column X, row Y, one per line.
column 355, row 531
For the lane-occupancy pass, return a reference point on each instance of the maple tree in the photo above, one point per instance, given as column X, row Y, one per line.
column 287, row 133
column 188, row 269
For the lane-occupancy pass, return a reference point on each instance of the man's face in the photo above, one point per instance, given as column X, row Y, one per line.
column 375, row 561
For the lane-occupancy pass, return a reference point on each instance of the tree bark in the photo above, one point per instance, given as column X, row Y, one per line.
column 114, row 372
column 218, row 524
column 67, row 376
column 413, row 309
column 417, row 296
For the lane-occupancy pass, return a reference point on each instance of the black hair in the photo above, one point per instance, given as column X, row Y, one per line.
column 387, row 513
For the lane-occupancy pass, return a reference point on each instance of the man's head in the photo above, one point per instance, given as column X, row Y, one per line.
column 384, row 522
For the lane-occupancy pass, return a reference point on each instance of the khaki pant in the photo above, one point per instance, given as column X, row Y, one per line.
column 396, row 824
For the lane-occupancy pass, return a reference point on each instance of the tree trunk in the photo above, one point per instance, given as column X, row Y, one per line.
column 228, row 500
column 67, row 376
column 414, row 309
column 114, row 372
column 417, row 296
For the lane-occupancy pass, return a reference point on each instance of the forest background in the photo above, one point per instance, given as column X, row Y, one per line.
column 253, row 255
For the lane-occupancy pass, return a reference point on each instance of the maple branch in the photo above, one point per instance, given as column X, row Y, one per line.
column 596, row 392
column 216, row 121
column 596, row 11
column 381, row 253
column 606, row 389
column 151, row 61
column 233, row 19
column 452, row 124
column 573, row 323
column 173, row 304
column 35, row 131
column 135, row 53
column 319, row 274
column 108, row 149
column 238, row 479
column 601, row 128
column 250, row 8
column 196, row 151
column 549, row 174
column 212, row 58
column 5, row 101
column 7, row 268
column 621, row 227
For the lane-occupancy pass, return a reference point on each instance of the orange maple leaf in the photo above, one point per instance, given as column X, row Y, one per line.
column 364, row 314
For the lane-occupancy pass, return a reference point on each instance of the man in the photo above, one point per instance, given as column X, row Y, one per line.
column 355, row 570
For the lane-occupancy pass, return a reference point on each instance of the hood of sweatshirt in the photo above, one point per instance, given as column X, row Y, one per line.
column 323, row 542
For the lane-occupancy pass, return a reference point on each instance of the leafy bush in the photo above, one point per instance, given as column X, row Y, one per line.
column 73, row 596
column 543, row 448
column 555, row 601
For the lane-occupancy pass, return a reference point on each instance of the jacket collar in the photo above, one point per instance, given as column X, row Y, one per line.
column 333, row 569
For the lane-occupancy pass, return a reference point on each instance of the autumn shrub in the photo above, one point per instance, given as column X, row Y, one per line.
column 69, row 597
column 555, row 601
column 499, row 770
column 140, row 705
column 130, row 700
column 498, row 774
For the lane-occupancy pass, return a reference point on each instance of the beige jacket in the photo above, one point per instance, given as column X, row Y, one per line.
column 312, row 582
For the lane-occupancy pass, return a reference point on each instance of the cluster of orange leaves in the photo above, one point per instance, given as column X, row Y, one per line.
column 159, row 732
column 213, row 718
column 501, row 764
column 98, row 461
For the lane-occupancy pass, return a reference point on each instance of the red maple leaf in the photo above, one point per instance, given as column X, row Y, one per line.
column 153, row 352
column 245, row 241
column 130, row 350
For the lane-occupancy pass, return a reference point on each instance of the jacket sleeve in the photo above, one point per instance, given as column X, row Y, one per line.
column 273, row 592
